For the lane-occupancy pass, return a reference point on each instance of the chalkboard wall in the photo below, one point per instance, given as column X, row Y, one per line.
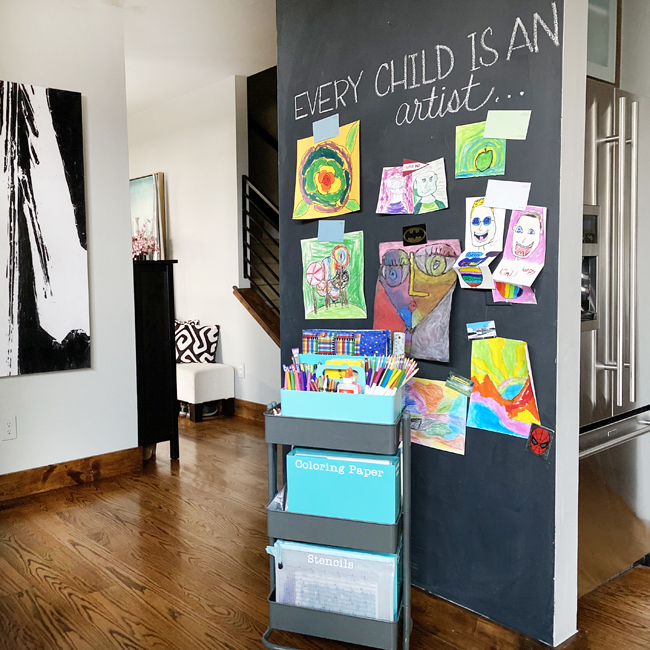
column 483, row 522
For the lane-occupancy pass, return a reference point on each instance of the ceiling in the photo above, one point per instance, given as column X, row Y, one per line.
column 173, row 48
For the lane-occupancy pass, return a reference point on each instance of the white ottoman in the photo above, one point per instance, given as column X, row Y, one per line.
column 197, row 383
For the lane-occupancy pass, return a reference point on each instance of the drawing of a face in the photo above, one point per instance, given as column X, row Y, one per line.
column 395, row 185
column 416, row 282
column 526, row 234
column 426, row 184
column 483, row 226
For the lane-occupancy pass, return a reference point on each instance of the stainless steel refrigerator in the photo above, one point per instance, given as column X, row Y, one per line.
column 614, row 516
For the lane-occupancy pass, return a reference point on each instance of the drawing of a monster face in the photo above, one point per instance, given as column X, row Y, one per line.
column 526, row 234
column 416, row 282
column 483, row 226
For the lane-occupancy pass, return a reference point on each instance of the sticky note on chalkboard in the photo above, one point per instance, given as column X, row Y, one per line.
column 326, row 128
column 509, row 195
column 331, row 231
column 507, row 125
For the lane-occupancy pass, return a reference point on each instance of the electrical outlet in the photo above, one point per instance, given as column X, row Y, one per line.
column 9, row 431
column 241, row 370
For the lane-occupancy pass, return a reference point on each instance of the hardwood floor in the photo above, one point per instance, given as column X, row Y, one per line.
column 173, row 558
column 617, row 615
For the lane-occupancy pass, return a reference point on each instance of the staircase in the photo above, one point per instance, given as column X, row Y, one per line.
column 261, row 255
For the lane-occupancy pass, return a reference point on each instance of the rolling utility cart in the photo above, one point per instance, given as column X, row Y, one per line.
column 380, row 439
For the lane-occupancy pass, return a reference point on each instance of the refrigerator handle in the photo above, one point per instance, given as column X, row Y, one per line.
column 634, row 219
column 620, row 283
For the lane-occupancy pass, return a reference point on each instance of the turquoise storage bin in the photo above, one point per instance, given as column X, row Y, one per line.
column 373, row 409
column 362, row 487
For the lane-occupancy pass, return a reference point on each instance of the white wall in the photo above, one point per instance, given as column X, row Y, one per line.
column 574, row 73
column 193, row 140
column 68, row 415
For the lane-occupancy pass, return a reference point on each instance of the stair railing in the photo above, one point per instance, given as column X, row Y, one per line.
column 260, row 234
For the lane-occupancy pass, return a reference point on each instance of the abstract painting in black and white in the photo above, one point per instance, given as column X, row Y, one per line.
column 44, row 307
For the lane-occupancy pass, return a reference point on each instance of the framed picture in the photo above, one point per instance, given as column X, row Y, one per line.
column 603, row 40
column 148, row 210
column 44, row 294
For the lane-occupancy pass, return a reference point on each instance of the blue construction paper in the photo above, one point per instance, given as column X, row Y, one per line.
column 326, row 128
column 331, row 231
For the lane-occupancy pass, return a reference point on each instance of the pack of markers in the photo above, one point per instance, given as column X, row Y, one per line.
column 351, row 389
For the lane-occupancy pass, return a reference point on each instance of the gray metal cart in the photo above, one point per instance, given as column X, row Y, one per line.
column 378, row 538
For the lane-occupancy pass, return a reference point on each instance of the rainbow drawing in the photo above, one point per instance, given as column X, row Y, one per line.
column 503, row 397
column 508, row 291
column 472, row 277
column 438, row 415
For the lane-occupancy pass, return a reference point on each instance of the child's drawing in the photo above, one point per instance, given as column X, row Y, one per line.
column 430, row 187
column 395, row 192
column 476, row 155
column 503, row 396
column 438, row 415
column 414, row 291
column 484, row 226
column 332, row 285
column 525, row 249
column 328, row 175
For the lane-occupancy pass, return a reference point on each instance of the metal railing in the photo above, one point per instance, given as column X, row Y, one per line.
column 261, row 243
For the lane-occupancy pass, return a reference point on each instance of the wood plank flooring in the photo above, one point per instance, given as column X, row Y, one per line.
column 173, row 558
column 617, row 615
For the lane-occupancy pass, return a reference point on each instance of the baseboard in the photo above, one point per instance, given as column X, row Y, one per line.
column 249, row 410
column 457, row 627
column 74, row 472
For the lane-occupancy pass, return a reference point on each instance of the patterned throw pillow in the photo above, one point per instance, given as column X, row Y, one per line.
column 196, row 343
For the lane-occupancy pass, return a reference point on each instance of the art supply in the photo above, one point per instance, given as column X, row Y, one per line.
column 348, row 385
column 460, row 384
column 346, row 342
column 339, row 580
column 383, row 375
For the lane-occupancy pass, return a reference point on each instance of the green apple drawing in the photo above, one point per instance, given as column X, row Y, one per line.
column 484, row 159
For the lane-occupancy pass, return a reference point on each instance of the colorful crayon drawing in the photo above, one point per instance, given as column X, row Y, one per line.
column 504, row 292
column 430, row 187
column 395, row 192
column 328, row 175
column 476, row 155
column 414, row 292
column 503, row 397
column 484, row 226
column 332, row 284
column 525, row 250
column 438, row 415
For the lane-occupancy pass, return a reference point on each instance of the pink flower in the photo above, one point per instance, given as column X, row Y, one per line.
column 143, row 244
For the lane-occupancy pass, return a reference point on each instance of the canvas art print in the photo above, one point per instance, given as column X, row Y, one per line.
column 476, row 155
column 395, row 192
column 438, row 415
column 430, row 187
column 503, row 397
column 44, row 295
column 525, row 250
column 414, row 292
column 332, row 283
column 328, row 175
